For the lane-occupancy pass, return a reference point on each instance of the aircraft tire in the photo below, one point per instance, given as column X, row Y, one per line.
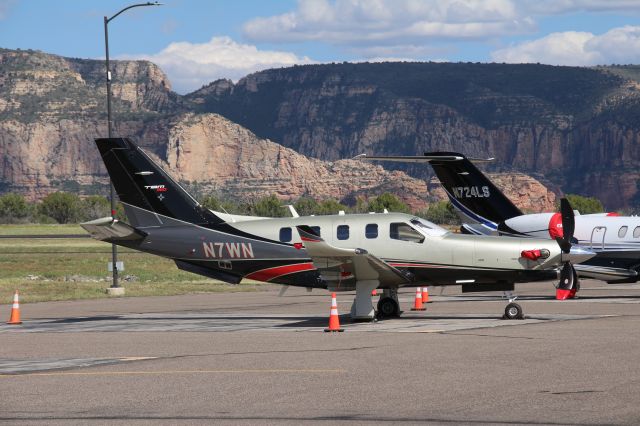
column 513, row 311
column 388, row 308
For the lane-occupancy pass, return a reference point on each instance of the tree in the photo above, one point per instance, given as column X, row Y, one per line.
column 14, row 208
column 388, row 201
column 211, row 202
column 330, row 206
column 441, row 213
column 63, row 207
column 362, row 206
column 306, row 206
column 95, row 206
column 269, row 206
column 584, row 205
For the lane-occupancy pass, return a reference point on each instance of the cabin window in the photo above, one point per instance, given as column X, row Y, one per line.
column 622, row 231
column 402, row 231
column 285, row 235
column 636, row 232
column 343, row 232
column 371, row 231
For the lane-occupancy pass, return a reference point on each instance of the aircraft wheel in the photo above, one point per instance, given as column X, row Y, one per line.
column 513, row 311
column 388, row 308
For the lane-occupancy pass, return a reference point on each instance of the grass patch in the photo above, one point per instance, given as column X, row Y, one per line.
column 66, row 269
column 40, row 229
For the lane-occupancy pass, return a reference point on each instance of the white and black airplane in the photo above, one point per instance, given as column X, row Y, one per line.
column 339, row 252
column 485, row 210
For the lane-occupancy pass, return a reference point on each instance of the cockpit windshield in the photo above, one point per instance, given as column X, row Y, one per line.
column 427, row 227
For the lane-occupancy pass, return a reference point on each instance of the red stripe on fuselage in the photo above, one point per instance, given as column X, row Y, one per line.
column 311, row 240
column 271, row 273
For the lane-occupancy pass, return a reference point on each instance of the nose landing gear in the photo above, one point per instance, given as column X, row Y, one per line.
column 513, row 310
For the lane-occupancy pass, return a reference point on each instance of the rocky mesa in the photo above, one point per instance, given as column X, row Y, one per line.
column 51, row 109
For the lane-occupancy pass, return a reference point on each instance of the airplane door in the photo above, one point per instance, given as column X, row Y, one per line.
column 597, row 237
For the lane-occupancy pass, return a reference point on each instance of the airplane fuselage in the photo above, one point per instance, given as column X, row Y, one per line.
column 271, row 250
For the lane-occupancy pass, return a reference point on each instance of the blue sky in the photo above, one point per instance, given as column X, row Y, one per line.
column 198, row 41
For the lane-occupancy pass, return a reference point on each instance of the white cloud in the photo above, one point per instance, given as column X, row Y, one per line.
column 367, row 26
column 371, row 22
column 552, row 7
column 619, row 45
column 191, row 65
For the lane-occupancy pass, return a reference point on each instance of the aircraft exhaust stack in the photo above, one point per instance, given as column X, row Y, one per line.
column 577, row 255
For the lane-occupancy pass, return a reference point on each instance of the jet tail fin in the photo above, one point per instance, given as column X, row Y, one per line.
column 471, row 192
column 476, row 199
column 149, row 194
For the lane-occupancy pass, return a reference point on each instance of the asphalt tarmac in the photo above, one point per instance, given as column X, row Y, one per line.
column 256, row 358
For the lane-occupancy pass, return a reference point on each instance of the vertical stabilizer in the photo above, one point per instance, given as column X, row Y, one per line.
column 471, row 192
column 148, row 193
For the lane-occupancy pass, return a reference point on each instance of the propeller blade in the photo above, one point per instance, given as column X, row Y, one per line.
column 566, row 277
column 568, row 220
column 565, row 245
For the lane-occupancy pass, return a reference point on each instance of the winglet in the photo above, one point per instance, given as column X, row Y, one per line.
column 307, row 234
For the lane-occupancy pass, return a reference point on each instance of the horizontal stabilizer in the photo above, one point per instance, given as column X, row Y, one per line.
column 107, row 228
column 408, row 158
column 427, row 158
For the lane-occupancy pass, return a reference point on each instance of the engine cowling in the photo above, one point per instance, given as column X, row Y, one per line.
column 533, row 225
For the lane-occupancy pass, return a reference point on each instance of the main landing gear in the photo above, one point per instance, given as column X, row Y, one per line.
column 362, row 308
column 388, row 305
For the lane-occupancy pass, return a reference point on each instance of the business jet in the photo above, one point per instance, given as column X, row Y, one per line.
column 339, row 252
column 485, row 210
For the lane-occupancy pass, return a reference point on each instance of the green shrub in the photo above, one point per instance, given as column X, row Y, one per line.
column 584, row 205
column 63, row 207
column 14, row 208
column 441, row 213
column 387, row 201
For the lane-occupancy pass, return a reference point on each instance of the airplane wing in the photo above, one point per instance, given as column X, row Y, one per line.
column 605, row 273
column 337, row 264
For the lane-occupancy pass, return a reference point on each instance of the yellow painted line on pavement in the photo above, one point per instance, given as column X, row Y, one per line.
column 126, row 373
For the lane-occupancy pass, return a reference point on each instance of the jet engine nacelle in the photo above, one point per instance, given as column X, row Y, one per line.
column 539, row 225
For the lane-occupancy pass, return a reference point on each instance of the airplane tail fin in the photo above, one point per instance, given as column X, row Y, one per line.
column 471, row 192
column 150, row 196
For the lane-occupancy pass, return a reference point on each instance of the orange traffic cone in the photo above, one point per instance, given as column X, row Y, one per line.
column 425, row 295
column 334, row 320
column 417, row 306
column 15, row 310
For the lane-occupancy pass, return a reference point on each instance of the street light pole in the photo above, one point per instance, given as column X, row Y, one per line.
column 114, row 248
